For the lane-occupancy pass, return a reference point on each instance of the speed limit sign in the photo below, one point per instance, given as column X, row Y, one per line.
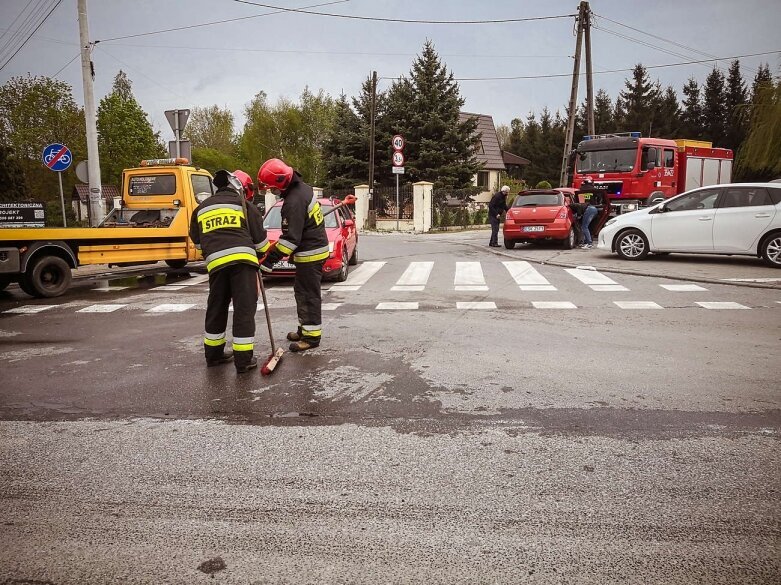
column 398, row 159
column 398, row 142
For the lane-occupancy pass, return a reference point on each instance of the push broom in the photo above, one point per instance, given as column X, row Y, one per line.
column 276, row 354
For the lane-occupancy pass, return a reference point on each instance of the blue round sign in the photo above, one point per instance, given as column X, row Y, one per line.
column 57, row 157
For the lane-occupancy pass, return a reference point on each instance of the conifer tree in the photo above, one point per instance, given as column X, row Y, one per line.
column 604, row 122
column 736, row 110
column 691, row 113
column 344, row 153
column 715, row 107
column 13, row 183
column 638, row 99
column 382, row 151
column 668, row 115
column 758, row 158
column 440, row 148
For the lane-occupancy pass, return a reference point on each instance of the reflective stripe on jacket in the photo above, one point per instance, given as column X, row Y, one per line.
column 225, row 236
column 303, row 236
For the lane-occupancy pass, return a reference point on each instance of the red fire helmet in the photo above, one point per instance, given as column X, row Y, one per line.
column 275, row 174
column 246, row 182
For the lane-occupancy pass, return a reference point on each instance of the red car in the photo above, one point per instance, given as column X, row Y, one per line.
column 342, row 240
column 541, row 214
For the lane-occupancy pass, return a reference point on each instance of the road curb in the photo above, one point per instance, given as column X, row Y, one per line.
column 564, row 264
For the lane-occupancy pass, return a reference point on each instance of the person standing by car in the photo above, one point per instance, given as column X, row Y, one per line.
column 591, row 202
column 305, row 241
column 496, row 206
column 230, row 235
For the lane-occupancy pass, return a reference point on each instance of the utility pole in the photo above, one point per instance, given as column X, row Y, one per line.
column 372, row 117
column 589, row 77
column 573, row 99
column 96, row 210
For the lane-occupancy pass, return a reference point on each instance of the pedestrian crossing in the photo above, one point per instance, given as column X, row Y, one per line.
column 426, row 285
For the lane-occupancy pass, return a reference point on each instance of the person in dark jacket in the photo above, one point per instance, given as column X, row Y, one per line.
column 497, row 205
column 305, row 242
column 592, row 203
column 230, row 235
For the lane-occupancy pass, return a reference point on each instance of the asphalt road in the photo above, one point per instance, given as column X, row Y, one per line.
column 630, row 437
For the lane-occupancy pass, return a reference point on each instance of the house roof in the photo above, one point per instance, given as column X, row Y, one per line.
column 81, row 191
column 491, row 154
column 513, row 159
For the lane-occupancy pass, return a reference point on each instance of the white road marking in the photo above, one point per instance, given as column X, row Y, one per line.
column 483, row 305
column 170, row 308
column 168, row 287
column 331, row 306
column 359, row 276
column 637, row 305
column 103, row 308
column 596, row 280
column 343, row 288
column 721, row 305
column 553, row 305
column 415, row 277
column 683, row 287
column 200, row 279
column 469, row 277
column 30, row 309
column 752, row 279
column 110, row 288
column 397, row 306
column 527, row 277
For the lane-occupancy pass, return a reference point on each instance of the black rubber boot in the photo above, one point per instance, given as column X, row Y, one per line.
column 299, row 346
column 223, row 359
column 294, row 336
column 244, row 368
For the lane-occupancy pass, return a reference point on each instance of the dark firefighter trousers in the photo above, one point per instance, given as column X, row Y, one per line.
column 237, row 282
column 306, row 288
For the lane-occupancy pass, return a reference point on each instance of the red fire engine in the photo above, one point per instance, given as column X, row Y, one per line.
column 634, row 171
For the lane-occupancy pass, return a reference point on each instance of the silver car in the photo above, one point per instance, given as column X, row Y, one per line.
column 737, row 218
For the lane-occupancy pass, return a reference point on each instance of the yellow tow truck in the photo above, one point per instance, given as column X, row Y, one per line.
column 149, row 224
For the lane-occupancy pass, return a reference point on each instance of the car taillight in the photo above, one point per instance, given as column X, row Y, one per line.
column 563, row 214
column 509, row 220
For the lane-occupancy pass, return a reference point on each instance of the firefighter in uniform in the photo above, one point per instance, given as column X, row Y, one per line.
column 230, row 235
column 304, row 240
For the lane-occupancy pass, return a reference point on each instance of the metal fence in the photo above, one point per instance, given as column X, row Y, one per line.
column 456, row 207
column 385, row 206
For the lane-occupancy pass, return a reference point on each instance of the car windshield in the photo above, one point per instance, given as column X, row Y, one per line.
column 273, row 219
column 539, row 199
column 600, row 161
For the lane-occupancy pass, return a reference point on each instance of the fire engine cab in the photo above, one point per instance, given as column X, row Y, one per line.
column 633, row 171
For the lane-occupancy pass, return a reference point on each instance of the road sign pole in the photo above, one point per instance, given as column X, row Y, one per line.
column 62, row 201
column 398, row 210
column 176, row 133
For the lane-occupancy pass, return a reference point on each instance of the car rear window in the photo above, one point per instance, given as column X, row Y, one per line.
column 539, row 200
column 273, row 219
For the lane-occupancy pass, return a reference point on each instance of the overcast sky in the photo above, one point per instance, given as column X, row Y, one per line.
column 226, row 64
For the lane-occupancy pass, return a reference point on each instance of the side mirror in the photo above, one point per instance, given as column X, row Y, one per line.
column 177, row 202
column 349, row 223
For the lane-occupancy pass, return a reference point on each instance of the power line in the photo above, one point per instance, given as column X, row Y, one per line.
column 552, row 75
column 157, row 32
column 76, row 56
column 403, row 20
column 31, row 35
column 27, row 23
column 129, row 68
column 18, row 16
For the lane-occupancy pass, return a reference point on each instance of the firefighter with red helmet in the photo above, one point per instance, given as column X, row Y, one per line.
column 304, row 240
column 246, row 184
column 230, row 235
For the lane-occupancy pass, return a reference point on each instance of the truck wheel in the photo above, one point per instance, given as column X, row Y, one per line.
column 654, row 198
column 771, row 250
column 509, row 244
column 49, row 277
column 176, row 263
column 632, row 245
column 571, row 240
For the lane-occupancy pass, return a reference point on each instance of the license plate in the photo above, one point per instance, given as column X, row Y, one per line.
column 534, row 228
column 284, row 266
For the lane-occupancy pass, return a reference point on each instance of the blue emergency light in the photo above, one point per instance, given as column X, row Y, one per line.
column 596, row 136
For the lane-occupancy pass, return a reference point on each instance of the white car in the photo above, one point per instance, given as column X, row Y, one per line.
column 738, row 218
